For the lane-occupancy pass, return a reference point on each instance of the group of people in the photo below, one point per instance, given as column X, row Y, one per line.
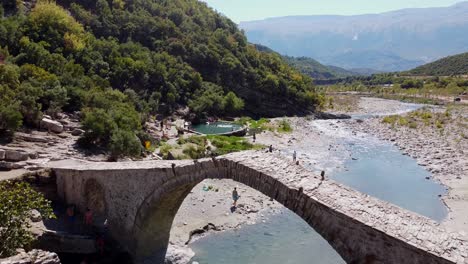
column 88, row 222
column 87, row 218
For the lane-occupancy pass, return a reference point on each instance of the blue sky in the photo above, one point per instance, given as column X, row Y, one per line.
column 245, row 10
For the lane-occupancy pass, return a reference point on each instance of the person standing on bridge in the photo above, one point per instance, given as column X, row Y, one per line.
column 88, row 219
column 235, row 196
column 71, row 216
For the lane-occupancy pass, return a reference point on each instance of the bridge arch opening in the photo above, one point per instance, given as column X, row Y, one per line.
column 156, row 215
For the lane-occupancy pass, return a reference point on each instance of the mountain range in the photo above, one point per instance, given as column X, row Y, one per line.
column 392, row 41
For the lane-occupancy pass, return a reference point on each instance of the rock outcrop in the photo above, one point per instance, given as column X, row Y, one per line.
column 32, row 257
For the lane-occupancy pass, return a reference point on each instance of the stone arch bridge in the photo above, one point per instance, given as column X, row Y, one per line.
column 141, row 199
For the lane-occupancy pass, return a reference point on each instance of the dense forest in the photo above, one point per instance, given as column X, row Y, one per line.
column 121, row 61
column 449, row 66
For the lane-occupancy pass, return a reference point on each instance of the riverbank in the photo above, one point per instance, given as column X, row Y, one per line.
column 439, row 146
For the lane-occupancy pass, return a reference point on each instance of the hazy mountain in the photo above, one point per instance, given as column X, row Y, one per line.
column 317, row 70
column 452, row 65
column 397, row 40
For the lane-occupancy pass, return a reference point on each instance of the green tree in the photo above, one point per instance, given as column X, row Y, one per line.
column 98, row 125
column 232, row 104
column 124, row 143
column 17, row 200
column 10, row 116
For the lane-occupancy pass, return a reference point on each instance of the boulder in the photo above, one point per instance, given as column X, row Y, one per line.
column 2, row 154
column 77, row 132
column 178, row 255
column 32, row 257
column 52, row 125
column 36, row 216
column 16, row 155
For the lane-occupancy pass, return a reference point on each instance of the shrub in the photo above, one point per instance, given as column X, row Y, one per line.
column 225, row 144
column 198, row 140
column 98, row 125
column 111, row 121
column 389, row 119
column 284, row 126
column 124, row 143
column 243, row 121
column 402, row 121
column 261, row 125
column 165, row 149
column 17, row 200
column 194, row 152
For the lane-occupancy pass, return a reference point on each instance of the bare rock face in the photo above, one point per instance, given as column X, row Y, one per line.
column 52, row 125
column 32, row 257
column 2, row 154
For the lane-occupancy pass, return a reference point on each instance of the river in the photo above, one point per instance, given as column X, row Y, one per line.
column 371, row 166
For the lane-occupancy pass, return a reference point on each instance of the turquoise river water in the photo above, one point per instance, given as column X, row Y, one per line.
column 216, row 128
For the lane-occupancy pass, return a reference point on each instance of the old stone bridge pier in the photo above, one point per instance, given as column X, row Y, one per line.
column 141, row 199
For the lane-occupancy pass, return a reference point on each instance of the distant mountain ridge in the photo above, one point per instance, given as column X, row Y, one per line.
column 448, row 66
column 312, row 67
column 391, row 41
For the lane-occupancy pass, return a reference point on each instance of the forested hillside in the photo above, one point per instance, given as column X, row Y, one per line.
column 453, row 65
column 317, row 70
column 120, row 61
